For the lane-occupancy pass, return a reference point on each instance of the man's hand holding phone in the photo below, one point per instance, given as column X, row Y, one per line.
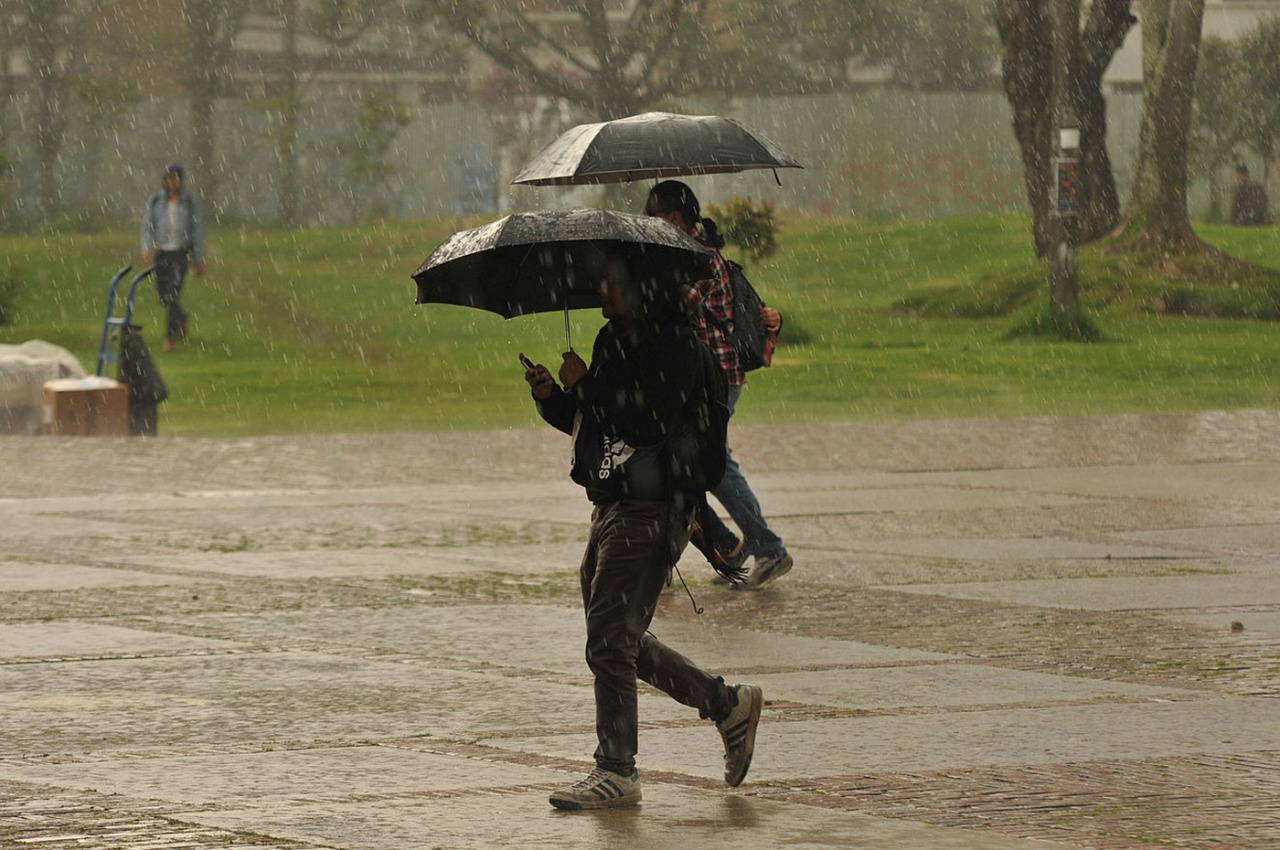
column 538, row 378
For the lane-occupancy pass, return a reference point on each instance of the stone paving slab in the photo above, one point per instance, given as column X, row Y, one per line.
column 846, row 493
column 669, row 816
column 1047, row 734
column 945, row 686
column 1252, row 620
column 1162, row 593
column 371, row 562
column 1252, row 539
column 1238, row 481
column 18, row 576
column 1011, row 548
column 95, row 640
column 239, row 697
column 547, row 638
column 301, row 777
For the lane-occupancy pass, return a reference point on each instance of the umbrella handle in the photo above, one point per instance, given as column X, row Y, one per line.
column 568, row 343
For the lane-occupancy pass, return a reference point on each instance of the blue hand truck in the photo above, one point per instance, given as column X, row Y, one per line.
column 113, row 324
column 134, row 366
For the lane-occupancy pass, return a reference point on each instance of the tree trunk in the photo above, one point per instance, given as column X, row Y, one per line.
column 1106, row 25
column 1027, row 33
column 1170, row 52
column 202, row 81
column 286, row 148
column 1064, row 225
column 42, row 40
column 10, row 39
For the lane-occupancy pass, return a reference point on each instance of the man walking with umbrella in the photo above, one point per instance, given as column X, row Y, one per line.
column 676, row 203
column 624, row 412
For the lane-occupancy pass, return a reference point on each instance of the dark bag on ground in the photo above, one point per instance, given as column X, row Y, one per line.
column 749, row 338
column 137, row 370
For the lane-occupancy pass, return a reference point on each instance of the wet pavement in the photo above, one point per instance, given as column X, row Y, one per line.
column 998, row 634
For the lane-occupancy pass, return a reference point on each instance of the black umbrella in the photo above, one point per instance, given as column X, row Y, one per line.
column 547, row 260
column 655, row 145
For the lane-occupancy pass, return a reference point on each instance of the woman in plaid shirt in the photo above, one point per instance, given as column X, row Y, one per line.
column 675, row 202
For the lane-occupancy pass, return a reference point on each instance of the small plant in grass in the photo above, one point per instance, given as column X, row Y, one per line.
column 1047, row 322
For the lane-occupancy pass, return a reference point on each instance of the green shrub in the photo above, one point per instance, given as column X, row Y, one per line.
column 752, row 228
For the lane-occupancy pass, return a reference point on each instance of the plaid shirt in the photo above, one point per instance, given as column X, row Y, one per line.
column 713, row 296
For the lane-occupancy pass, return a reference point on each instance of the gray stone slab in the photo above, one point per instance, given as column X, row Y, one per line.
column 550, row 638
column 844, row 493
column 373, row 561
column 1259, row 540
column 1009, row 549
column 69, row 639
column 19, row 576
column 278, row 777
column 718, row 648
column 943, row 685
column 1253, row 481
column 553, row 499
column 79, row 706
column 1118, row 594
column 670, row 816
column 952, row 740
column 550, row 501
column 1255, row 622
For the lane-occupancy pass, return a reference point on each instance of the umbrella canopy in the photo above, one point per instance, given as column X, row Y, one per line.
column 654, row 145
column 548, row 260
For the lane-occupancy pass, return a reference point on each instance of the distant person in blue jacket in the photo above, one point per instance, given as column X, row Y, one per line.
column 172, row 235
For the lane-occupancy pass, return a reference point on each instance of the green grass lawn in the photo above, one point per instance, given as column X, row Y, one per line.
column 316, row 331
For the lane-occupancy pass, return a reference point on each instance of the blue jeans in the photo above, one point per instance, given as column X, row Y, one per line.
column 171, row 269
column 744, row 509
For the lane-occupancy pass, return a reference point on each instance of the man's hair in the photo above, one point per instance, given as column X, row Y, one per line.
column 654, row 297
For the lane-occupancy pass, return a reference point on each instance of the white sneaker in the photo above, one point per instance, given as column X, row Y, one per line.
column 738, row 731
column 602, row 789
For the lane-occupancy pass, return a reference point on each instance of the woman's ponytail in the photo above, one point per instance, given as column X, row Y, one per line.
column 712, row 233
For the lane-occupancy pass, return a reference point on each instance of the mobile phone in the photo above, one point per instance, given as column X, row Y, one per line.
column 527, row 363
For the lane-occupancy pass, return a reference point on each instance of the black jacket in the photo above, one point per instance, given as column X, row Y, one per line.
column 620, row 414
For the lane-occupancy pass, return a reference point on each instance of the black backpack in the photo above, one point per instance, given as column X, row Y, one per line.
column 749, row 339
column 696, row 452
